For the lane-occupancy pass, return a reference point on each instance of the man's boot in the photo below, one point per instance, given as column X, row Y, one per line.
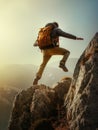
column 35, row 82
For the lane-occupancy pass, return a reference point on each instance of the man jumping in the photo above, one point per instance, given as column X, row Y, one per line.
column 52, row 48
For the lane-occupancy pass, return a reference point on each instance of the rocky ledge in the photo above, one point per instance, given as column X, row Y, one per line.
column 38, row 103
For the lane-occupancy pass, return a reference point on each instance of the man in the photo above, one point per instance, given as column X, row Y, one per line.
column 54, row 49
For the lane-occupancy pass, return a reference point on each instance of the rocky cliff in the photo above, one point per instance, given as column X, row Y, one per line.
column 82, row 99
column 69, row 105
column 38, row 103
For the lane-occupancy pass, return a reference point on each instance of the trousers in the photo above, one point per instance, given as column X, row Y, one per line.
column 48, row 53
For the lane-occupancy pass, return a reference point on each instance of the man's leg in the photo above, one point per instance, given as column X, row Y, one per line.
column 60, row 51
column 41, row 68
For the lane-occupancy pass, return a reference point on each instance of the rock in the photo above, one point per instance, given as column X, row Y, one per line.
column 38, row 102
column 82, row 99
column 62, row 88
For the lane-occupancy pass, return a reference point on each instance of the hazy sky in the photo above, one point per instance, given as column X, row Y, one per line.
column 20, row 21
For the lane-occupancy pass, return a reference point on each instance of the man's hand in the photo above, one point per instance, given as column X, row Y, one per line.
column 79, row 38
column 35, row 44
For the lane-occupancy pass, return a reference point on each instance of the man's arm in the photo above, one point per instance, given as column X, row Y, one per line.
column 67, row 35
column 79, row 38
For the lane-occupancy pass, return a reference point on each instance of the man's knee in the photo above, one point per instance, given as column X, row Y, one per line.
column 67, row 52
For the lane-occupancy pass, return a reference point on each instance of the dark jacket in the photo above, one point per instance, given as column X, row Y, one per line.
column 55, row 34
column 58, row 32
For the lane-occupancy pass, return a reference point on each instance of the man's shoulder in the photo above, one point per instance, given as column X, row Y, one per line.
column 57, row 31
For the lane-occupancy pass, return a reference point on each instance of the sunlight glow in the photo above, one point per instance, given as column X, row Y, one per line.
column 21, row 20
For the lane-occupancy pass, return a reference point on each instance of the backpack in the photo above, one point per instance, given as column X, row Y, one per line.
column 44, row 37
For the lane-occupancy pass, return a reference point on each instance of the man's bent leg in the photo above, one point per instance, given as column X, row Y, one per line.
column 61, row 51
column 41, row 68
column 63, row 61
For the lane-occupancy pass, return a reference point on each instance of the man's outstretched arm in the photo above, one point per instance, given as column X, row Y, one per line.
column 67, row 35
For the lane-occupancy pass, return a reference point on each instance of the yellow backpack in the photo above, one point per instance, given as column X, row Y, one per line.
column 44, row 37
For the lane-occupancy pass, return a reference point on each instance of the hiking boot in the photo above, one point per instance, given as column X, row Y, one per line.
column 63, row 67
column 35, row 82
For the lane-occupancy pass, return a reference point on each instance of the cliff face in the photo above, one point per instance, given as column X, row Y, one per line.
column 82, row 99
column 62, row 108
column 38, row 103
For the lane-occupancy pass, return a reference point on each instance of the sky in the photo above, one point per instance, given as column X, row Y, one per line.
column 20, row 21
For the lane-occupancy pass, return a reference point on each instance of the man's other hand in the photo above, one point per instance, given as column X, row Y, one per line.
column 35, row 44
column 79, row 38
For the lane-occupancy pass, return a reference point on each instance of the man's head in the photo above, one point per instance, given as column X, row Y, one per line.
column 54, row 24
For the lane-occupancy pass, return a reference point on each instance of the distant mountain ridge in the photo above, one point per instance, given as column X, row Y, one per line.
column 70, row 63
column 23, row 74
